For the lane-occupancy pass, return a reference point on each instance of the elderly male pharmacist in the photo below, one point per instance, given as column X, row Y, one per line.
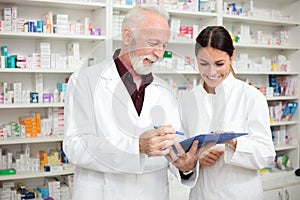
column 111, row 109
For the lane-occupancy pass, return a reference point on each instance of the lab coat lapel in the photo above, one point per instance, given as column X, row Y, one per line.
column 220, row 100
column 151, row 95
column 117, row 88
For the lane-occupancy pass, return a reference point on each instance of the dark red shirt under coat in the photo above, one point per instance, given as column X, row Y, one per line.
column 137, row 95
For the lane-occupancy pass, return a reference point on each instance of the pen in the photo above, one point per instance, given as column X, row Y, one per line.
column 177, row 132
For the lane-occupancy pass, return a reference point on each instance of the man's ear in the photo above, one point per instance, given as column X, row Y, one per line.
column 127, row 36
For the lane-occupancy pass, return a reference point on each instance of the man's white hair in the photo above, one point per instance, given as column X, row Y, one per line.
column 135, row 15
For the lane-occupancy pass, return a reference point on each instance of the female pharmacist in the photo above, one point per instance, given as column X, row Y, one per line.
column 222, row 102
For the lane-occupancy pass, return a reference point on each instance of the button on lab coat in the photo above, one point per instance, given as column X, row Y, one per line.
column 237, row 107
column 102, row 136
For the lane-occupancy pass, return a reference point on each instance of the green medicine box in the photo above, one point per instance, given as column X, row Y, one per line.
column 4, row 172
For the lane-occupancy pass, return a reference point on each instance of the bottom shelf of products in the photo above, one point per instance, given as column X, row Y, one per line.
column 279, row 179
column 48, row 188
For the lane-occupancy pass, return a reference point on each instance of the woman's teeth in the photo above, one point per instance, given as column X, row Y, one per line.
column 213, row 77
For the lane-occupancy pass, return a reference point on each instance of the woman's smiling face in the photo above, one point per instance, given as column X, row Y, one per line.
column 214, row 66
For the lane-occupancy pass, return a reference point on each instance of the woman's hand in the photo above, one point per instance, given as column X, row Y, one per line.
column 209, row 158
column 232, row 142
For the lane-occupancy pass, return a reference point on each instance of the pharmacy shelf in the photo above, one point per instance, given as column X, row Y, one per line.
column 285, row 147
column 279, row 179
column 26, row 175
column 282, row 98
column 31, row 105
column 277, row 173
column 266, row 73
column 174, row 12
column 238, row 73
column 124, row 8
column 19, row 70
column 260, row 21
column 80, row 5
column 182, row 41
column 284, row 123
column 191, row 14
column 20, row 140
column 22, row 35
column 238, row 45
column 269, row 47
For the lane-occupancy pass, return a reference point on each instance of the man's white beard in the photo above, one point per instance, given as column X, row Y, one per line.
column 138, row 65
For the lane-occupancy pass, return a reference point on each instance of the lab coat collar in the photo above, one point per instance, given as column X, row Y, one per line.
column 224, row 85
column 115, row 85
column 110, row 70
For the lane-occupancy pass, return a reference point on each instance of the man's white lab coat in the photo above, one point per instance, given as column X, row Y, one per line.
column 102, row 132
column 237, row 107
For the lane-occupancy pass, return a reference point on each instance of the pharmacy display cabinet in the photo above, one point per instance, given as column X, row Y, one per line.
column 42, row 43
column 80, row 33
column 290, row 192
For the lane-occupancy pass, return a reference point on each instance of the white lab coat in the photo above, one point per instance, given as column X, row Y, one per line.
column 102, row 132
column 237, row 107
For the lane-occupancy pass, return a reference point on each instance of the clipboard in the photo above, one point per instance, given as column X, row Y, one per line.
column 207, row 138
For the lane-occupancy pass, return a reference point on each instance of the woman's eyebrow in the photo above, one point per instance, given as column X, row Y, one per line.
column 203, row 60
column 222, row 60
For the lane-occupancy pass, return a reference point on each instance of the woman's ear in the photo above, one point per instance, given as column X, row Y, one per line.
column 232, row 57
column 127, row 36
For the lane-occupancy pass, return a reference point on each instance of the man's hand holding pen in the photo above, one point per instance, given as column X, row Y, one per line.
column 157, row 142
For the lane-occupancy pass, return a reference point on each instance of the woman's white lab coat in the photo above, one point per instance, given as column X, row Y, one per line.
column 237, row 107
column 102, row 130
